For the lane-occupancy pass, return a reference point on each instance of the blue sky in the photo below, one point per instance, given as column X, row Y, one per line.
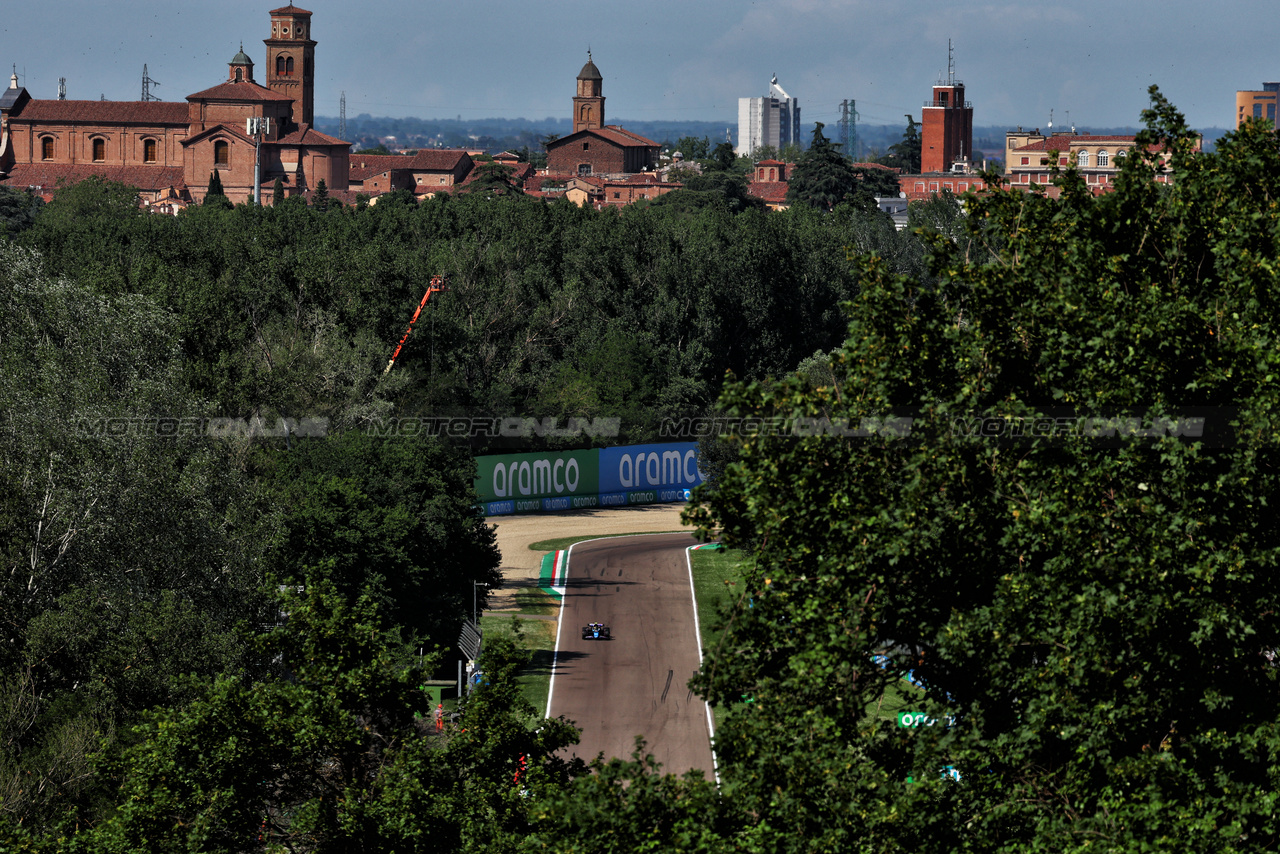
column 1089, row 61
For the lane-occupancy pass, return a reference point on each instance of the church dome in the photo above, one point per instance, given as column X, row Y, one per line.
column 589, row 71
column 241, row 58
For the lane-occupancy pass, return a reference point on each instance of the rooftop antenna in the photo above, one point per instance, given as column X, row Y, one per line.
column 342, row 116
column 62, row 88
column 1051, row 121
column 147, row 83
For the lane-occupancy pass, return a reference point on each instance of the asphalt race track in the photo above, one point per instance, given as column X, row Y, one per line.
column 636, row 683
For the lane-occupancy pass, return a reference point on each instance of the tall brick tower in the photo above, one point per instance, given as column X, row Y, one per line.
column 947, row 132
column 291, row 66
column 588, row 104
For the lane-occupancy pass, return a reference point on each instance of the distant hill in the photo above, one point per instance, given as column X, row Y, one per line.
column 499, row 134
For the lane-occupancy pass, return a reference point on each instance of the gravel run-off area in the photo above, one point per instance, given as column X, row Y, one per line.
column 521, row 565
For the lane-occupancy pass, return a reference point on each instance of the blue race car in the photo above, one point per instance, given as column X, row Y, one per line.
column 595, row 631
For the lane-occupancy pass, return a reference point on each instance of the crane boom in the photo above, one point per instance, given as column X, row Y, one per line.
column 436, row 286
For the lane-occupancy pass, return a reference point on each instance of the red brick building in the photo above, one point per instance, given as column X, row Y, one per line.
column 947, row 128
column 169, row 149
column 595, row 148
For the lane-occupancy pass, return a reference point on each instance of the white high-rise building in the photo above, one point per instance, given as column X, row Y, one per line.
column 772, row 120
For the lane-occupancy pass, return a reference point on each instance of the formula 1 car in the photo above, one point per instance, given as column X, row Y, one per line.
column 595, row 631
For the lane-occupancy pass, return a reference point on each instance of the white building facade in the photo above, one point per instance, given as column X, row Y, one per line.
column 773, row 120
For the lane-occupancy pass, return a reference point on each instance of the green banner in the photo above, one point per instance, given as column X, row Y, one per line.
column 525, row 477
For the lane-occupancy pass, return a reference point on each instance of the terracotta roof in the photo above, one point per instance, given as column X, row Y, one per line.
column 289, row 10
column 245, row 90
column 105, row 112
column 774, row 192
column 893, row 169
column 770, row 163
column 438, row 159
column 520, row 172
column 51, row 175
column 217, row 130
column 636, row 139
column 307, row 135
column 1065, row 141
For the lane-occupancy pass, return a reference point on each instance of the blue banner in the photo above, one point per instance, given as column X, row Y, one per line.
column 649, row 467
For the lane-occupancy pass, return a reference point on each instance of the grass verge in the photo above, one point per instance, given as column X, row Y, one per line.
column 717, row 585
column 539, row 637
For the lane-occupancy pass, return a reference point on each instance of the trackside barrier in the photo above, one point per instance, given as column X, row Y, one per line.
column 549, row 482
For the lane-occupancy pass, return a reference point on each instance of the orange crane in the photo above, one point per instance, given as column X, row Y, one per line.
column 436, row 286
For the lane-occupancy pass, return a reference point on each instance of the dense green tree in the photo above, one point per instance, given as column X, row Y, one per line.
column 1093, row 616
column 905, row 154
column 693, row 148
column 320, row 197
column 877, row 183
column 490, row 177
column 723, row 157
column 632, row 806
column 822, row 177
column 18, row 209
column 339, row 756
column 214, row 194
column 277, row 192
column 131, row 541
column 390, row 518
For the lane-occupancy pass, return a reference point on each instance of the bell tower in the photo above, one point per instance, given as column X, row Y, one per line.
column 588, row 104
column 291, row 56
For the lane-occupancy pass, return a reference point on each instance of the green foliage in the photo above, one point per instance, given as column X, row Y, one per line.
column 341, row 754
column 390, row 519
column 823, row 177
column 277, row 192
column 905, row 155
column 723, row 157
column 717, row 188
column 320, row 197
column 1099, row 617
column 490, row 177
column 282, row 311
column 693, row 148
column 626, row 806
column 18, row 209
column 130, row 547
column 214, row 194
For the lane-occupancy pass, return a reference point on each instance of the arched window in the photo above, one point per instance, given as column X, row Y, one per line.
column 99, row 150
column 1102, row 157
column 280, row 65
column 1119, row 157
column 1082, row 158
column 149, row 151
column 288, row 65
column 239, row 75
column 221, row 153
column 46, row 148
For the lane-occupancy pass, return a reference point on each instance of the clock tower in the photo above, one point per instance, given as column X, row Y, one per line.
column 291, row 67
column 588, row 104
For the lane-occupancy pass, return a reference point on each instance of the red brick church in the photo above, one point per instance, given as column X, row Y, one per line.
column 594, row 148
column 170, row 149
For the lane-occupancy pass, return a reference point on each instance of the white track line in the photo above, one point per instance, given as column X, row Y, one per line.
column 697, row 630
